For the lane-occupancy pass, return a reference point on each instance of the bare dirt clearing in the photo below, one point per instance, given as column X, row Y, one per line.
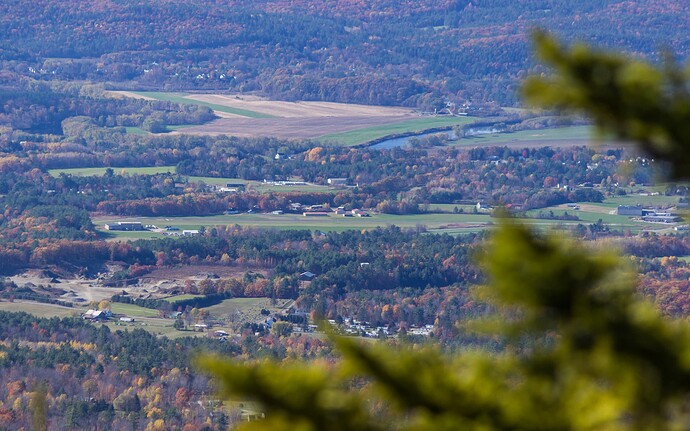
column 80, row 291
column 201, row 270
column 128, row 94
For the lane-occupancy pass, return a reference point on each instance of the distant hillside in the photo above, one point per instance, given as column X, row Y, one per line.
column 414, row 53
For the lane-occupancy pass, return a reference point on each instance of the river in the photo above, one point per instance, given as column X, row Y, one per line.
column 403, row 140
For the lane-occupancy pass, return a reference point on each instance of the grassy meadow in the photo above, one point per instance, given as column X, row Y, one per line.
column 181, row 99
column 39, row 309
column 573, row 135
column 442, row 220
column 361, row 136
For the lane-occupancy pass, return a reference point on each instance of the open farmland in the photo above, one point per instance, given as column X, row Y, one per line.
column 298, row 221
column 251, row 116
column 344, row 124
column 39, row 309
column 437, row 223
column 556, row 137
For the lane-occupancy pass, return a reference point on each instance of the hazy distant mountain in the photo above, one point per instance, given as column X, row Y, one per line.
column 376, row 51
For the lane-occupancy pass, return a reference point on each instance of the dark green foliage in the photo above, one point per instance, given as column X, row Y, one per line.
column 628, row 97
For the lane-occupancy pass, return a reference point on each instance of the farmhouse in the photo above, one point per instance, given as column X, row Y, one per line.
column 96, row 315
column 628, row 210
column 307, row 276
column 190, row 232
column 124, row 225
column 662, row 218
column 337, row 182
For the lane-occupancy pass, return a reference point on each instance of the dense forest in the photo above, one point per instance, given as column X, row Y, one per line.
column 376, row 52
column 89, row 377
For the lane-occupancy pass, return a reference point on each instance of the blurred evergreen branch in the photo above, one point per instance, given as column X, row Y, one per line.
column 584, row 353
column 636, row 101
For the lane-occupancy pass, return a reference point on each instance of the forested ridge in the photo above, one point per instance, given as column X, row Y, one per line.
column 94, row 378
column 376, row 52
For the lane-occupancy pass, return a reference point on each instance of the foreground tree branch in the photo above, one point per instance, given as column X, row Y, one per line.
column 583, row 351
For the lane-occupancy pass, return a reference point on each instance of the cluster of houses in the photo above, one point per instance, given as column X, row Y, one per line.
column 286, row 183
column 104, row 315
column 321, row 211
column 232, row 188
column 357, row 328
column 651, row 215
column 132, row 226
column 240, row 187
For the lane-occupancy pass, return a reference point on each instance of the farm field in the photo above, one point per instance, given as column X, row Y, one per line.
column 357, row 137
column 443, row 222
column 642, row 199
column 175, row 298
column 298, row 221
column 39, row 309
column 340, row 123
column 557, row 137
column 187, row 99
column 136, row 131
column 299, row 109
column 346, row 124
column 157, row 326
column 212, row 181
column 132, row 310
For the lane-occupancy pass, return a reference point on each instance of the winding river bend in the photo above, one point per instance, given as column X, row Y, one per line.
column 404, row 140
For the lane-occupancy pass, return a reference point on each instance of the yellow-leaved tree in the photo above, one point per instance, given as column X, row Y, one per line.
column 583, row 352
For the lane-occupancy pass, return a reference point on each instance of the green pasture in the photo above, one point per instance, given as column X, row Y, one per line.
column 181, row 297
column 136, row 131
column 417, row 125
column 298, row 221
column 39, row 309
column 179, row 126
column 132, row 310
column 156, row 326
column 242, row 305
column 644, row 200
column 181, row 99
column 573, row 135
column 587, row 217
column 259, row 186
